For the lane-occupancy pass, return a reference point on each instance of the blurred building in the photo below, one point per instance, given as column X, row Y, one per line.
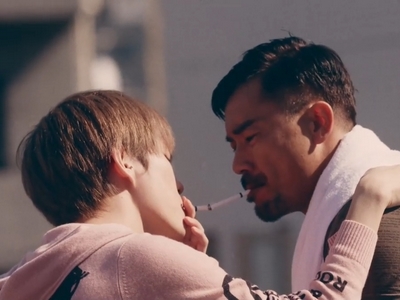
column 49, row 50
column 46, row 48
column 171, row 54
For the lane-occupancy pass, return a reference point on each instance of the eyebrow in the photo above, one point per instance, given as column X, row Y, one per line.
column 239, row 129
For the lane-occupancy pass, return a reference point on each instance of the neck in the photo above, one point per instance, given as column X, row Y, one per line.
column 119, row 209
column 329, row 149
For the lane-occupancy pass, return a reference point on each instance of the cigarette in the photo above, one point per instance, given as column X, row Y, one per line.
column 224, row 202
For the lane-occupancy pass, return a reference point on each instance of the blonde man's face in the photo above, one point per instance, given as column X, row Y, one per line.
column 158, row 196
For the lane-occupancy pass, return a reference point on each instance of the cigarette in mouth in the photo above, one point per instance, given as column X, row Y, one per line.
column 209, row 207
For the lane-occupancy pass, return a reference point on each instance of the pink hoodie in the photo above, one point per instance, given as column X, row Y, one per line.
column 82, row 261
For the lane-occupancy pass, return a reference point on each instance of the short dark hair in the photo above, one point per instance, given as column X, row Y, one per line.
column 291, row 72
column 65, row 159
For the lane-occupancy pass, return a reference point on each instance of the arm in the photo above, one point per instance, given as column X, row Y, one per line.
column 154, row 267
column 382, row 279
column 343, row 274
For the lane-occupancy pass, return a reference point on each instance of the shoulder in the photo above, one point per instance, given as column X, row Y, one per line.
column 154, row 264
column 152, row 250
column 385, row 267
column 385, row 264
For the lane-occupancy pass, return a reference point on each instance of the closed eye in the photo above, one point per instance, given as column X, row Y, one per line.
column 169, row 158
column 250, row 138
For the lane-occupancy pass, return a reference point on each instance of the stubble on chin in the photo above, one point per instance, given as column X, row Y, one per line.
column 271, row 211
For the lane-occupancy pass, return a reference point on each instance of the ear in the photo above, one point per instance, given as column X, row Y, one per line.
column 320, row 119
column 122, row 165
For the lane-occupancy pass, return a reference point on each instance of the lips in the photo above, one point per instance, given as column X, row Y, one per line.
column 250, row 196
column 252, row 183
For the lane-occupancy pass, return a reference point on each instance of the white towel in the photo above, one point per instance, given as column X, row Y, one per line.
column 358, row 151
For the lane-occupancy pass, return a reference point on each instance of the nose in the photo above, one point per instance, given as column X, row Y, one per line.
column 180, row 187
column 241, row 162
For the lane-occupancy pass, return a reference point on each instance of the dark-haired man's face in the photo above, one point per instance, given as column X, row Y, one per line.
column 273, row 154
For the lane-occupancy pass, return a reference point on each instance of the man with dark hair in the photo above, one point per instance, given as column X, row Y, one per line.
column 290, row 117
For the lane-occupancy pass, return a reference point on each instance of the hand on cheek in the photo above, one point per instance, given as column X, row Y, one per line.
column 195, row 236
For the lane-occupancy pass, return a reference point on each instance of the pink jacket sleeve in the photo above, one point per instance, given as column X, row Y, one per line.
column 153, row 267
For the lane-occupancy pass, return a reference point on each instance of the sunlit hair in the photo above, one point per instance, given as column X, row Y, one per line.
column 65, row 159
column 293, row 73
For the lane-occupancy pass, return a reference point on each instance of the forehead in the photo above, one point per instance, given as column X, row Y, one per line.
column 249, row 103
